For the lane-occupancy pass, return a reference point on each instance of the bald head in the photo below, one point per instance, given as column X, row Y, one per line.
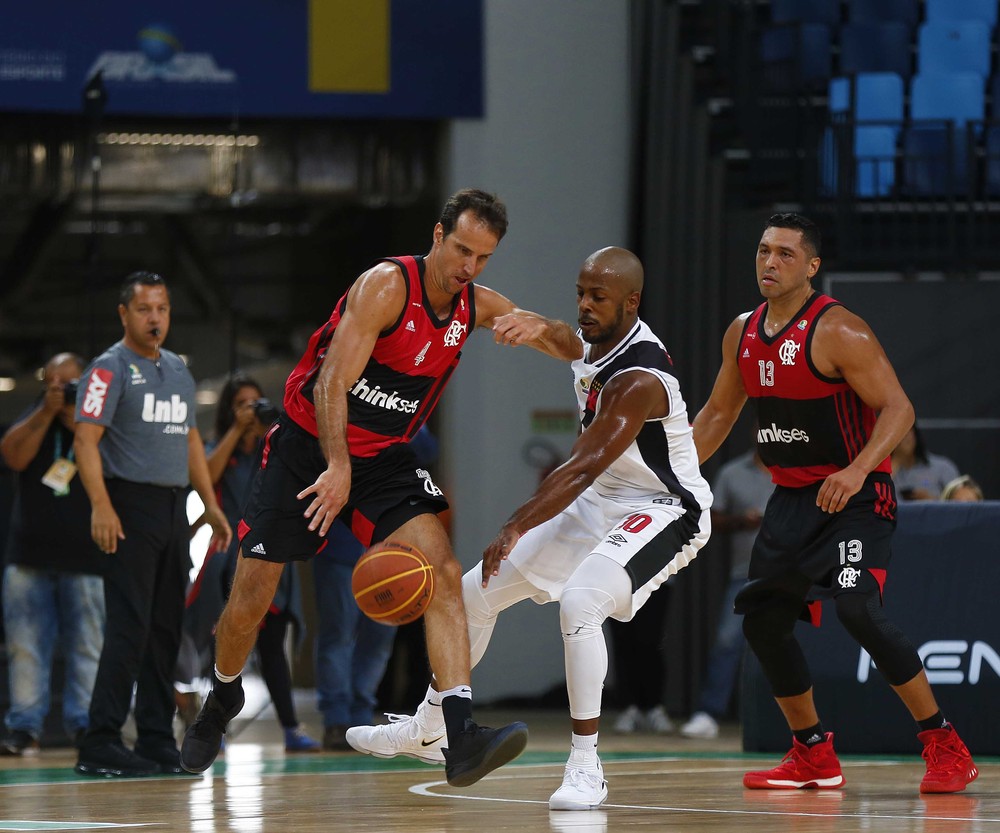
column 607, row 296
column 66, row 365
column 619, row 267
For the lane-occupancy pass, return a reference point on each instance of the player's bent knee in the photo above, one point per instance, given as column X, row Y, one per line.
column 476, row 606
column 582, row 612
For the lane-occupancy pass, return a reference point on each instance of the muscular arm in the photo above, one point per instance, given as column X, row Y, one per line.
column 716, row 419
column 626, row 403
column 514, row 326
column 845, row 346
column 105, row 526
column 373, row 305
column 201, row 482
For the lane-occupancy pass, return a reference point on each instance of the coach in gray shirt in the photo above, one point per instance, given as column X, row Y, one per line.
column 138, row 449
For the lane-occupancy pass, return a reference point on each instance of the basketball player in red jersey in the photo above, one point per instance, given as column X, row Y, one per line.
column 370, row 377
column 829, row 410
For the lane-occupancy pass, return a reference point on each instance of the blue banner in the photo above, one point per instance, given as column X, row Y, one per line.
column 286, row 58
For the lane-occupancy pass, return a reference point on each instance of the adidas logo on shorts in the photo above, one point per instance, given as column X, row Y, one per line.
column 259, row 549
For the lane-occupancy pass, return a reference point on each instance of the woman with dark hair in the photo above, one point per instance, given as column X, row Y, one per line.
column 241, row 421
column 918, row 474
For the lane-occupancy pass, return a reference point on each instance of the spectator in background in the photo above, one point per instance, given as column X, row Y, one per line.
column 241, row 421
column 918, row 474
column 963, row 489
column 352, row 651
column 52, row 588
column 741, row 490
column 138, row 449
column 641, row 668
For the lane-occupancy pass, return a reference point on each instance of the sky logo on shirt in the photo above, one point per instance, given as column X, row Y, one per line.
column 97, row 392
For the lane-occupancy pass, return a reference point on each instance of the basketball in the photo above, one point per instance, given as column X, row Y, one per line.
column 393, row 583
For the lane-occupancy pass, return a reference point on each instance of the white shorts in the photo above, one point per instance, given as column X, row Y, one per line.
column 651, row 540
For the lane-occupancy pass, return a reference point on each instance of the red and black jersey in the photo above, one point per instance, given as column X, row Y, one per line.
column 808, row 425
column 409, row 367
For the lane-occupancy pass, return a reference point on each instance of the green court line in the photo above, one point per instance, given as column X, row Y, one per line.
column 332, row 764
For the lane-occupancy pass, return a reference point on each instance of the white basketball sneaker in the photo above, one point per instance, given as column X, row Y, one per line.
column 402, row 735
column 582, row 788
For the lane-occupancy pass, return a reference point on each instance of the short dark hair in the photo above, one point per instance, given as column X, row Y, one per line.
column 811, row 234
column 488, row 208
column 127, row 292
column 224, row 416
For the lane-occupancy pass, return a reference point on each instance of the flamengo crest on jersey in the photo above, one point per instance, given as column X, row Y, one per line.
column 662, row 459
column 809, row 425
column 405, row 376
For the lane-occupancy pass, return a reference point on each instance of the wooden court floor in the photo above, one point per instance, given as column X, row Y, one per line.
column 656, row 783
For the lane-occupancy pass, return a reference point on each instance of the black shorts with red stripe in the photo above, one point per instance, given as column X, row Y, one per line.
column 802, row 550
column 387, row 490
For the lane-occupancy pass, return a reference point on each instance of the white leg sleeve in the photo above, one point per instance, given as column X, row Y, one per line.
column 596, row 589
column 482, row 606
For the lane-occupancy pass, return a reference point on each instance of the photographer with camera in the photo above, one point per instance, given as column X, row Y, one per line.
column 241, row 422
column 53, row 593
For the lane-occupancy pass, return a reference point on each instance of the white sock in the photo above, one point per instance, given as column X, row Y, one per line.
column 583, row 751
column 458, row 691
column 224, row 678
column 430, row 712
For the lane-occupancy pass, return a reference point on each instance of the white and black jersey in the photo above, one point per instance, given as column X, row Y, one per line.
column 663, row 457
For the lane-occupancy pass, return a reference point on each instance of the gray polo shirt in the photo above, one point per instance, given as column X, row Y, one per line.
column 739, row 487
column 147, row 409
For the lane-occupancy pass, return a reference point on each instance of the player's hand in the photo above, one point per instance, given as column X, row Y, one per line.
column 222, row 534
column 518, row 328
column 839, row 488
column 106, row 529
column 331, row 490
column 497, row 552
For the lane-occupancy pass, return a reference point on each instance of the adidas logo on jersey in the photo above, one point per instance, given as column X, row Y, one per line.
column 410, row 328
column 259, row 549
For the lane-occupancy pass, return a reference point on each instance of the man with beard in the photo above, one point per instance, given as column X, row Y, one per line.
column 628, row 509
column 369, row 379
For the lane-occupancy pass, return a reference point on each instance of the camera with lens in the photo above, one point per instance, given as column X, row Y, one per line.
column 69, row 391
column 265, row 410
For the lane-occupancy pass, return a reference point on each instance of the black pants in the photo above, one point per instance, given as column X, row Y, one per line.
column 144, row 597
column 640, row 667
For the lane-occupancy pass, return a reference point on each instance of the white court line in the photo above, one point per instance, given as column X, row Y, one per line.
column 426, row 789
column 26, row 824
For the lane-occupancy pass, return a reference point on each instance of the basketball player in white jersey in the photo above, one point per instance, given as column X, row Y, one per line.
column 604, row 530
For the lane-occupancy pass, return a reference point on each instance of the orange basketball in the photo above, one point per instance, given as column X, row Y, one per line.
column 393, row 583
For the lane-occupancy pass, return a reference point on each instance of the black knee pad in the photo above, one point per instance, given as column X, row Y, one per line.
column 864, row 619
column 769, row 631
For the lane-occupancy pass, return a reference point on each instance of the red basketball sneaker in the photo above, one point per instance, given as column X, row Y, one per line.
column 804, row 767
column 949, row 765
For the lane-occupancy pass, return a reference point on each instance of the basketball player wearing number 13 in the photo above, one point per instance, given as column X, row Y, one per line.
column 829, row 411
column 605, row 529
column 369, row 379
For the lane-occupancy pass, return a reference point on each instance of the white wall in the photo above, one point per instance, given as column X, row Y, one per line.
column 554, row 146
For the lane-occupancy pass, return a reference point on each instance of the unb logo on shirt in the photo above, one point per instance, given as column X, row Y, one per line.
column 172, row 411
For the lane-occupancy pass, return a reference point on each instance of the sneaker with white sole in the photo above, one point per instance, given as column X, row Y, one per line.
column 582, row 789
column 629, row 721
column 657, row 721
column 403, row 735
column 701, row 725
